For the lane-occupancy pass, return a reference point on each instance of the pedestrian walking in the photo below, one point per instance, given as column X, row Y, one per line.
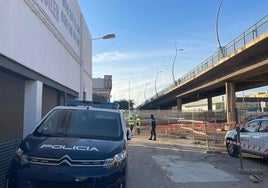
column 153, row 126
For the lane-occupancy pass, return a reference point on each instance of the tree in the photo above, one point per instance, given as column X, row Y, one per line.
column 124, row 104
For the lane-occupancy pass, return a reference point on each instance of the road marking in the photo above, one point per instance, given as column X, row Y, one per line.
column 185, row 172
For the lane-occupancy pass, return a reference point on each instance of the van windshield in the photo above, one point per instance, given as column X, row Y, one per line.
column 81, row 123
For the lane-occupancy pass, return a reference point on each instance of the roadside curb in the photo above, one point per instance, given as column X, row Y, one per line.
column 250, row 171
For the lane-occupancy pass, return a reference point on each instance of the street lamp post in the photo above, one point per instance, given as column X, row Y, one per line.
column 174, row 63
column 105, row 37
column 156, row 81
column 217, row 29
column 146, row 84
column 138, row 98
column 109, row 36
column 128, row 100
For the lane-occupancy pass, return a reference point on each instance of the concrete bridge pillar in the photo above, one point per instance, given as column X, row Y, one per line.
column 210, row 104
column 179, row 104
column 230, row 101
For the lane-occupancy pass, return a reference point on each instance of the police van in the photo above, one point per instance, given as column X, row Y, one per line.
column 81, row 145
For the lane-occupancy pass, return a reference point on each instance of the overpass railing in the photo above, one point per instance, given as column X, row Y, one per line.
column 249, row 35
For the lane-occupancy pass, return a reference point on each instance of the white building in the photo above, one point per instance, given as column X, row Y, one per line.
column 45, row 58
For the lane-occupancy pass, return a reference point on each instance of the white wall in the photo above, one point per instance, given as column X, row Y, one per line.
column 32, row 105
column 87, row 55
column 27, row 40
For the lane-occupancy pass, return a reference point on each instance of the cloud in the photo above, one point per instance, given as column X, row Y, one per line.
column 139, row 67
column 114, row 56
column 110, row 57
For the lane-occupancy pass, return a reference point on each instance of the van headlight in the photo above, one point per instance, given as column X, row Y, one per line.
column 21, row 157
column 116, row 161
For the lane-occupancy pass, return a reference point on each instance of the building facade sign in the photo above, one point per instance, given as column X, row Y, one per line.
column 65, row 16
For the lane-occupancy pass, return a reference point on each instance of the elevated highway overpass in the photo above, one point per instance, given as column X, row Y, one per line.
column 243, row 66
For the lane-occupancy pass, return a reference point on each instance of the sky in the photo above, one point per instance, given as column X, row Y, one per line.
column 148, row 32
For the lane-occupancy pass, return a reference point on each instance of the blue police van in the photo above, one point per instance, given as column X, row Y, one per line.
column 81, row 145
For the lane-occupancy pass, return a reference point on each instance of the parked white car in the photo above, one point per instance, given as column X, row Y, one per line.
column 253, row 137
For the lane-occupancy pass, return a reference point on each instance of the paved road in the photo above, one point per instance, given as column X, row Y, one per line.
column 169, row 163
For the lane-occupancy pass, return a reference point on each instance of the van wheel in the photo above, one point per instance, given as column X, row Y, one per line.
column 232, row 149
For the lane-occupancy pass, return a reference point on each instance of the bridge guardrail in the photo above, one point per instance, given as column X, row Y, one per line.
column 249, row 35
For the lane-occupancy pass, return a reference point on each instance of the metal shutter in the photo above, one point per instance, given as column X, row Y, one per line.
column 7, row 152
column 50, row 100
column 11, row 119
column 11, row 107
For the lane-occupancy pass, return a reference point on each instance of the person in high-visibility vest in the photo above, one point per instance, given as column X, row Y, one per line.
column 138, row 123
column 131, row 123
